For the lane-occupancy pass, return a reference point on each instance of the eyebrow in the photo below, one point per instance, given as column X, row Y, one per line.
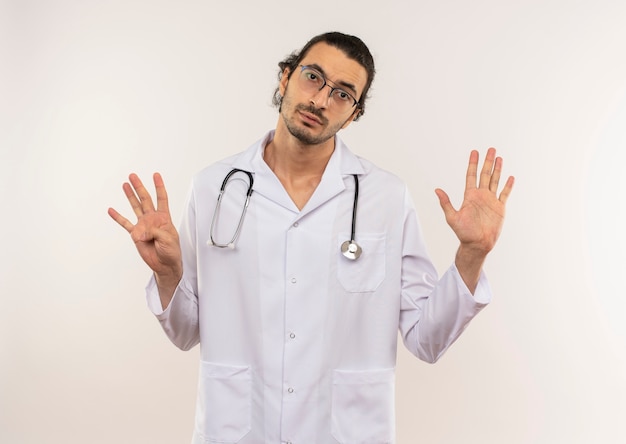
column 342, row 83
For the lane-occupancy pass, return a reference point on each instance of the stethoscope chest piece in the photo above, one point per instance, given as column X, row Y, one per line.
column 351, row 250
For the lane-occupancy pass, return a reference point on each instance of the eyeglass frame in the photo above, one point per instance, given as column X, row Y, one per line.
column 332, row 88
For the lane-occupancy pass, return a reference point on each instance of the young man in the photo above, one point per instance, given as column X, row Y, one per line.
column 296, row 281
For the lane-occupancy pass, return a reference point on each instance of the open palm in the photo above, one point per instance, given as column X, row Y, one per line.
column 478, row 222
column 154, row 234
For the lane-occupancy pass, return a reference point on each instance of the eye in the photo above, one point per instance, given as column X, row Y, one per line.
column 312, row 76
column 341, row 95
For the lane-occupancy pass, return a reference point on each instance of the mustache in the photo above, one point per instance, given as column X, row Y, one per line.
column 313, row 110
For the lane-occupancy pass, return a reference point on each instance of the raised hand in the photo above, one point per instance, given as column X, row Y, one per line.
column 478, row 222
column 154, row 234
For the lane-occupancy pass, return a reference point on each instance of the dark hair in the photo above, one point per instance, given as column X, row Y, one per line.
column 351, row 46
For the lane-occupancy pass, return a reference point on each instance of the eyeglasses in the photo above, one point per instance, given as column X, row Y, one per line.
column 311, row 80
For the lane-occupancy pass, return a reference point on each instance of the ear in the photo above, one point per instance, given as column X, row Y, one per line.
column 284, row 80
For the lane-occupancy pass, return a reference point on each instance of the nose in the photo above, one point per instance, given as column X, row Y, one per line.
column 321, row 97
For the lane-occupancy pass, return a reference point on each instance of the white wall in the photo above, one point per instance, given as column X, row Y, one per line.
column 91, row 90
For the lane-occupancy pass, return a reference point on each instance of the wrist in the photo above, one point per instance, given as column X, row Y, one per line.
column 471, row 253
column 169, row 278
column 166, row 285
column 469, row 262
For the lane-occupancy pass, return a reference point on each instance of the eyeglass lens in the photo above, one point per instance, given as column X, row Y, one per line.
column 311, row 80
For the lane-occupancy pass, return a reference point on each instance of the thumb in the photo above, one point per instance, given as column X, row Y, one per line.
column 142, row 236
column 444, row 201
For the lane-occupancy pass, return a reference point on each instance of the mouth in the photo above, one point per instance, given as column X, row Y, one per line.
column 309, row 118
column 311, row 115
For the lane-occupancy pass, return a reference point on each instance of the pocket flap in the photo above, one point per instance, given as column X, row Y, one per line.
column 225, row 371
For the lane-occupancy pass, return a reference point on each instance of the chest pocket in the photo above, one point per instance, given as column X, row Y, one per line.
column 366, row 273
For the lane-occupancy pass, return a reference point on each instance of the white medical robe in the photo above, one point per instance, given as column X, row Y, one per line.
column 298, row 343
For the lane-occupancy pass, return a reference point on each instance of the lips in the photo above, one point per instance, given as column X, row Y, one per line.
column 311, row 115
column 311, row 118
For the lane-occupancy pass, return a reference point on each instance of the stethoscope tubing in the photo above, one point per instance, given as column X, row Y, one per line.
column 354, row 205
column 350, row 249
column 231, row 244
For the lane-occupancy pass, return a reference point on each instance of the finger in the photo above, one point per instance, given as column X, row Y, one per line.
column 472, row 168
column 161, row 194
column 487, row 170
column 142, row 193
column 132, row 199
column 495, row 177
column 121, row 220
column 508, row 187
column 446, row 205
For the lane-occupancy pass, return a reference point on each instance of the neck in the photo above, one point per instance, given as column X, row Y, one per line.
column 289, row 157
column 298, row 166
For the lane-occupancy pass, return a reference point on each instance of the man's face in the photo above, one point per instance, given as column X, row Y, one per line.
column 311, row 117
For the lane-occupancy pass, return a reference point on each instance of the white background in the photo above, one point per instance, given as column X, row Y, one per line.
column 93, row 90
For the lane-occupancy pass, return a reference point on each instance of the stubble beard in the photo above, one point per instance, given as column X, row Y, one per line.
column 299, row 130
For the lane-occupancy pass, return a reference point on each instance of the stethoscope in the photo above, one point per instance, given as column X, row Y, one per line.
column 349, row 248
